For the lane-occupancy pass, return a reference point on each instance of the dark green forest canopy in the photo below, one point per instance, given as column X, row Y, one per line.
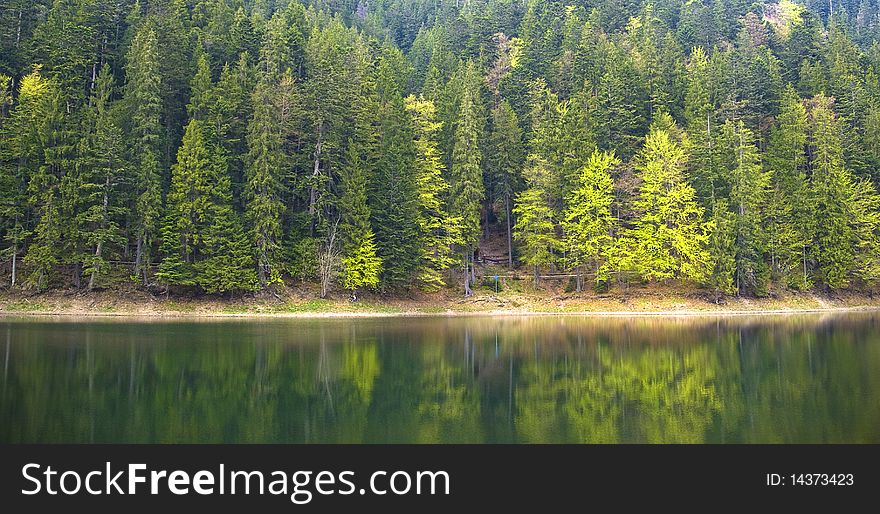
column 228, row 146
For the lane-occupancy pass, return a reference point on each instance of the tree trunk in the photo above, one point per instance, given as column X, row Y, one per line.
column 313, row 192
column 473, row 269
column 537, row 277
column 14, row 257
column 94, row 275
column 509, row 235
column 580, row 279
column 467, row 277
column 138, row 255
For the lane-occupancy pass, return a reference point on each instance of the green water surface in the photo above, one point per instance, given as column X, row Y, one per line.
column 763, row 379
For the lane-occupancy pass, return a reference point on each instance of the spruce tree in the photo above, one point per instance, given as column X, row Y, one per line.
column 831, row 189
column 535, row 227
column 669, row 236
column 393, row 186
column 103, row 176
column 361, row 266
column 22, row 154
column 789, row 226
column 506, row 159
column 436, row 229
column 47, row 196
column 143, row 96
column 466, row 174
column 264, row 187
column 748, row 184
column 588, row 218
column 203, row 243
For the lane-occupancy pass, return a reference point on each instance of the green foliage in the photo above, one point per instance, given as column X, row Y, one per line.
column 143, row 96
column 466, row 123
column 203, row 243
column 748, row 184
column 669, row 238
column 789, row 220
column 361, row 266
column 588, row 219
column 466, row 174
column 535, row 227
column 436, row 227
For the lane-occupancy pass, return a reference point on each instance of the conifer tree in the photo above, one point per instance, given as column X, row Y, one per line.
column 506, row 158
column 22, row 154
column 466, row 174
column 361, row 266
column 436, row 228
column 789, row 213
column 203, row 243
column 47, row 195
column 588, row 218
column 264, row 187
column 394, row 189
column 669, row 237
column 535, row 227
column 748, row 184
column 143, row 96
column 103, row 175
column 831, row 188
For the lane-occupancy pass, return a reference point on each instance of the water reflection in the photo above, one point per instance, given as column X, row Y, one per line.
column 531, row 380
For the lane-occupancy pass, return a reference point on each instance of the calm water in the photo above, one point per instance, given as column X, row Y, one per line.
column 524, row 380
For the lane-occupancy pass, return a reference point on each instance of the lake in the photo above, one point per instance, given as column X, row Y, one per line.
column 755, row 379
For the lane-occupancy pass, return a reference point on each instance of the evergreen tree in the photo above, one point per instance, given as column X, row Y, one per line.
column 47, row 194
column 506, row 158
column 669, row 237
column 535, row 227
column 831, row 186
column 21, row 154
column 588, row 218
column 263, row 190
column 103, row 176
column 203, row 243
column 748, row 184
column 789, row 223
column 361, row 266
column 394, row 188
column 435, row 225
column 466, row 174
column 143, row 96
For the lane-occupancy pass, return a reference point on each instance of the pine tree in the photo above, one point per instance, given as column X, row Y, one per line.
column 361, row 266
column 748, row 184
column 143, row 96
column 103, row 174
column 789, row 227
column 435, row 225
column 263, row 191
column 393, row 187
column 203, row 243
column 506, row 158
column 47, row 195
column 466, row 174
column 831, row 187
column 669, row 237
column 535, row 227
column 22, row 154
column 722, row 249
column 699, row 112
column 588, row 218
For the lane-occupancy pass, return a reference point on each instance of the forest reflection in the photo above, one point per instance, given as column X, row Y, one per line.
column 786, row 379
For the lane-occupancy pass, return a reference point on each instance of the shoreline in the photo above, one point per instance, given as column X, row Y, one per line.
column 646, row 302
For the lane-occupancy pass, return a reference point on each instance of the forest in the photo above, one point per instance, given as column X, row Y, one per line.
column 234, row 146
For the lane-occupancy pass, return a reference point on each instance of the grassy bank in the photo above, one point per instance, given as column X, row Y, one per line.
column 645, row 300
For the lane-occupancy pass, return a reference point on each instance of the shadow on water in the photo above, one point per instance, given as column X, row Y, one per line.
column 766, row 379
